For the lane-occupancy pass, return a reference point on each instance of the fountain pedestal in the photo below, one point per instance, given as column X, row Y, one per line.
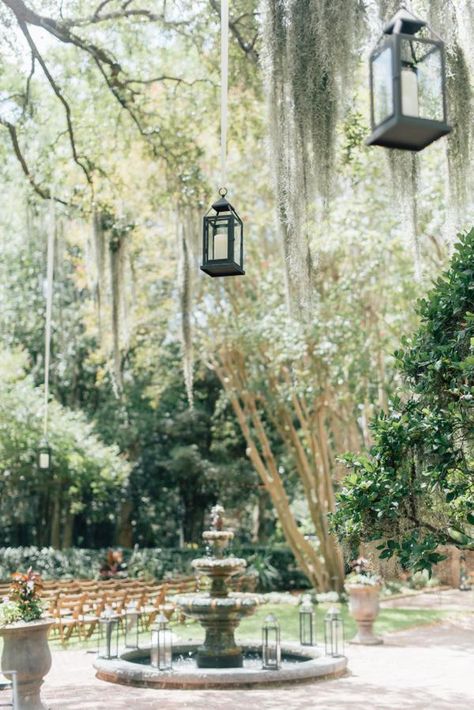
column 218, row 611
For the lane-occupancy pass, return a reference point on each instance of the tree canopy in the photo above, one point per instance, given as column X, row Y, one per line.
column 415, row 489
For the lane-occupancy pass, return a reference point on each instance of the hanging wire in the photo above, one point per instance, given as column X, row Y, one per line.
column 224, row 84
column 49, row 304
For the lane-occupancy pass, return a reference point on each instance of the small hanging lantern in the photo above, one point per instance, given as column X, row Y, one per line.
column 333, row 633
column 271, row 645
column 307, row 623
column 44, row 455
column 223, row 246
column 132, row 619
column 109, row 635
column 408, row 85
column 161, row 645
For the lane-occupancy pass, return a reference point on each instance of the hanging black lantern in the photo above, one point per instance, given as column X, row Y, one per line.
column 307, row 625
column 44, row 455
column 408, row 85
column 223, row 245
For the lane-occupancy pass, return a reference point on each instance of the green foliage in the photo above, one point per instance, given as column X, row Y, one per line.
column 9, row 613
column 86, row 477
column 275, row 564
column 266, row 575
column 415, row 489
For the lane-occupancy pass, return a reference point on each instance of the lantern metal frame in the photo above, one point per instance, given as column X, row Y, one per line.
column 271, row 644
column 333, row 633
column 13, row 685
column 44, row 450
column 399, row 130
column 132, row 630
column 109, row 631
column 223, row 215
column 307, row 623
column 161, row 651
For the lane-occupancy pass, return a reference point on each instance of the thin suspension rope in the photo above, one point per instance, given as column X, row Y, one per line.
column 224, row 84
column 49, row 304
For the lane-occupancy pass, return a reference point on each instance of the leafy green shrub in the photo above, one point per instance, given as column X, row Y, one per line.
column 23, row 602
column 277, row 568
column 414, row 490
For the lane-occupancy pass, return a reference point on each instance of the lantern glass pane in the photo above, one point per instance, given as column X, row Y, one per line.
column 44, row 459
column 108, row 642
column 421, row 79
column 131, row 629
column 238, row 243
column 306, row 628
column 382, row 85
column 220, row 241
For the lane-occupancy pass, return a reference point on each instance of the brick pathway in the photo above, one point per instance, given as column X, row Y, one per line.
column 430, row 667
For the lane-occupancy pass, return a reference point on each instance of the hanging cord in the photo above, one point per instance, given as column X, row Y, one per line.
column 49, row 304
column 224, row 84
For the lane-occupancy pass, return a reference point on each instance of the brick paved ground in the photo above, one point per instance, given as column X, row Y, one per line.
column 428, row 668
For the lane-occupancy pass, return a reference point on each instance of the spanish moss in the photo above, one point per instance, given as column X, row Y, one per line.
column 308, row 50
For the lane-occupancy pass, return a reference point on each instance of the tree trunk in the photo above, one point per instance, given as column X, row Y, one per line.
column 124, row 529
column 55, row 539
column 68, row 530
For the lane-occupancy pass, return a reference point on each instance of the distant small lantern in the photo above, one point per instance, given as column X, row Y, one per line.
column 223, row 240
column 307, row 623
column 271, row 644
column 44, row 455
column 132, row 620
column 109, row 635
column 161, row 645
column 408, row 85
column 333, row 633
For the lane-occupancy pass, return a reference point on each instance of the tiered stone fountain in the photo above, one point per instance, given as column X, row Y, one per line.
column 218, row 611
column 218, row 662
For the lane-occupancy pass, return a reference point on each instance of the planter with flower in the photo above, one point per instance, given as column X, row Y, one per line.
column 363, row 587
column 24, row 631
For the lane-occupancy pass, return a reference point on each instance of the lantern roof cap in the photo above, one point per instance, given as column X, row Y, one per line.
column 403, row 22
column 221, row 205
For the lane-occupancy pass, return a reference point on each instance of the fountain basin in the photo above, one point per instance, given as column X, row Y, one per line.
column 299, row 664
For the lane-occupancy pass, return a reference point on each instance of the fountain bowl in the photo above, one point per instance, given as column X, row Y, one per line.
column 299, row 664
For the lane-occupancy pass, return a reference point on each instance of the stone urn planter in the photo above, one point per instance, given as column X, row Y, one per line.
column 364, row 608
column 26, row 651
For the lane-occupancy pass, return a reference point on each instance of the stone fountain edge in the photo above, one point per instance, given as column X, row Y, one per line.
column 125, row 672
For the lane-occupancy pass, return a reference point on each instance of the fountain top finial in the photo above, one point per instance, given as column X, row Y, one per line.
column 217, row 517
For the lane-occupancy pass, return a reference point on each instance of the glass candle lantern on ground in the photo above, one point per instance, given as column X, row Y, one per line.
column 408, row 85
column 108, row 634
column 161, row 645
column 333, row 633
column 271, row 643
column 132, row 619
column 307, row 623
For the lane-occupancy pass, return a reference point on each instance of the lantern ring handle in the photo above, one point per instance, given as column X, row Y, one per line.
column 222, row 191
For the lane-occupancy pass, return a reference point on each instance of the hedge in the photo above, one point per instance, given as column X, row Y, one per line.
column 149, row 563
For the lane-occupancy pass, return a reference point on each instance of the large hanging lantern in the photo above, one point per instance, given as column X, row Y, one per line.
column 223, row 245
column 271, row 644
column 44, row 455
column 307, row 625
column 408, row 85
column 333, row 633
